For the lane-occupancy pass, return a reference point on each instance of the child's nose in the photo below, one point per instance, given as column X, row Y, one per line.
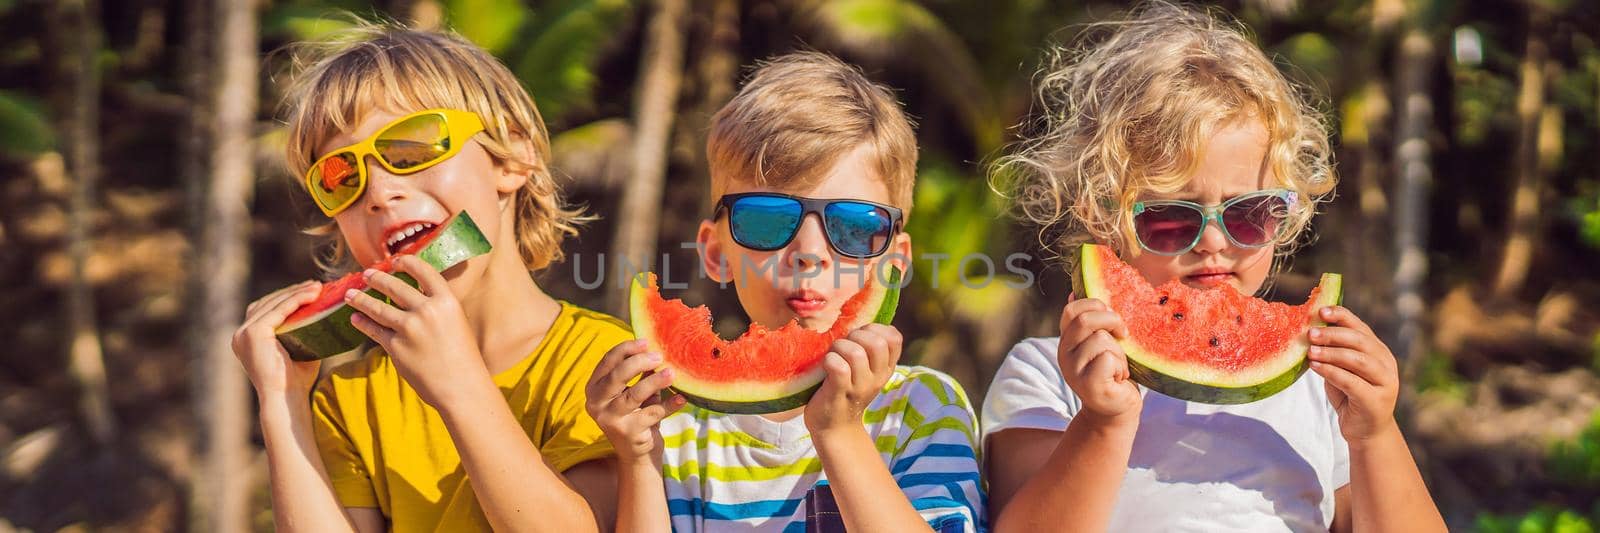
column 809, row 249
column 383, row 188
column 1212, row 240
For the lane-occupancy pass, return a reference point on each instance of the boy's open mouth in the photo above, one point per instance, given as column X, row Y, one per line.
column 403, row 236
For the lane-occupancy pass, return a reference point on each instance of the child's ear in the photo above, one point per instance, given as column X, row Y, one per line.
column 900, row 251
column 510, row 176
column 712, row 259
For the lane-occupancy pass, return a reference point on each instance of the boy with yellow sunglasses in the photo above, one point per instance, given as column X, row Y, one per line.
column 468, row 415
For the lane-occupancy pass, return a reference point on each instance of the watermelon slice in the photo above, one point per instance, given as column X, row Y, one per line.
column 764, row 370
column 322, row 328
column 1212, row 346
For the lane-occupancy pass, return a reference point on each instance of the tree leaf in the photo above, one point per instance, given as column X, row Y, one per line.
column 492, row 24
column 559, row 51
column 25, row 128
column 896, row 31
column 304, row 23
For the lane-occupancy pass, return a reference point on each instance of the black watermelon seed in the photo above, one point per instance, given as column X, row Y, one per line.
column 1163, row 300
column 1238, row 319
column 716, row 353
column 1215, row 342
column 1177, row 316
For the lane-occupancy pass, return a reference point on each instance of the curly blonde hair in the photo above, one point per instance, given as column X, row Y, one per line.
column 1126, row 110
column 388, row 66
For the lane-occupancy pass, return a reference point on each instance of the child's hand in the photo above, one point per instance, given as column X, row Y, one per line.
column 858, row 366
column 1362, row 376
column 630, row 416
column 256, row 344
column 1093, row 363
column 425, row 332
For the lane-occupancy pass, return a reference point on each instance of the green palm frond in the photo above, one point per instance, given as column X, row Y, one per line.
column 558, row 58
column 492, row 24
column 889, row 31
column 299, row 22
column 24, row 126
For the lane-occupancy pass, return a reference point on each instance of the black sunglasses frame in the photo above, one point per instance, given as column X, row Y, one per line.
column 808, row 207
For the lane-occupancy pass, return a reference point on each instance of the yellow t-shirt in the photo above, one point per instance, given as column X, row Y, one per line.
column 386, row 448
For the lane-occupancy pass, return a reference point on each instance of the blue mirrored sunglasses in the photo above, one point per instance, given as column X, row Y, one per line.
column 768, row 221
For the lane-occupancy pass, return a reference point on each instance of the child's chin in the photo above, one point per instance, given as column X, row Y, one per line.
column 819, row 320
column 812, row 323
column 805, row 320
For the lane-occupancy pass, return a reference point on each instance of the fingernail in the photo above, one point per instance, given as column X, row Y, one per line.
column 1316, row 333
column 653, row 357
column 1316, row 351
column 351, row 294
column 1327, row 312
column 1315, row 364
column 367, row 274
column 667, row 372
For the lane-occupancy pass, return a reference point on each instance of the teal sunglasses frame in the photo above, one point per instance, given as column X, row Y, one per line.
column 1209, row 214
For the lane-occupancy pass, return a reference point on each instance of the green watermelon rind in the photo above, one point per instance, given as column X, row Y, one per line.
column 748, row 397
column 1147, row 368
column 323, row 337
column 757, row 407
column 331, row 333
column 891, row 300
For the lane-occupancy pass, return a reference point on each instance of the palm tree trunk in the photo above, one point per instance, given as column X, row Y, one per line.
column 1370, row 259
column 1368, row 138
column 195, row 66
column 719, row 69
column 660, row 75
column 716, row 71
column 422, row 14
column 1524, row 221
column 223, row 487
column 78, row 22
column 193, row 160
column 1415, row 171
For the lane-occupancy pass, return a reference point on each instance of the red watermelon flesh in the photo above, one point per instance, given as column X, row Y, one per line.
column 322, row 328
column 1208, row 345
column 332, row 293
column 762, row 371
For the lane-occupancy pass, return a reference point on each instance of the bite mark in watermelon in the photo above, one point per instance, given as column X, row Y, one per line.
column 1214, row 346
column 764, row 370
column 322, row 328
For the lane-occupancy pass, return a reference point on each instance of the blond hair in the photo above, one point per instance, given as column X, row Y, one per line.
column 1126, row 111
column 388, row 66
column 797, row 115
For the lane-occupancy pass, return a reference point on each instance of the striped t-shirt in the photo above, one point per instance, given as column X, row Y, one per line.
column 747, row 473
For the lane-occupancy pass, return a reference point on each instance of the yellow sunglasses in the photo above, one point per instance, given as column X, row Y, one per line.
column 407, row 145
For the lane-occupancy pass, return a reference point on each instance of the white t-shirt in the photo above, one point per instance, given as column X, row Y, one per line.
column 1270, row 465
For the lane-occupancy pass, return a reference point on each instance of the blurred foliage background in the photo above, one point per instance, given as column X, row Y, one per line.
column 144, row 201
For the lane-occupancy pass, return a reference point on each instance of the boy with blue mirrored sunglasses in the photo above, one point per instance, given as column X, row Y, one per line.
column 879, row 447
